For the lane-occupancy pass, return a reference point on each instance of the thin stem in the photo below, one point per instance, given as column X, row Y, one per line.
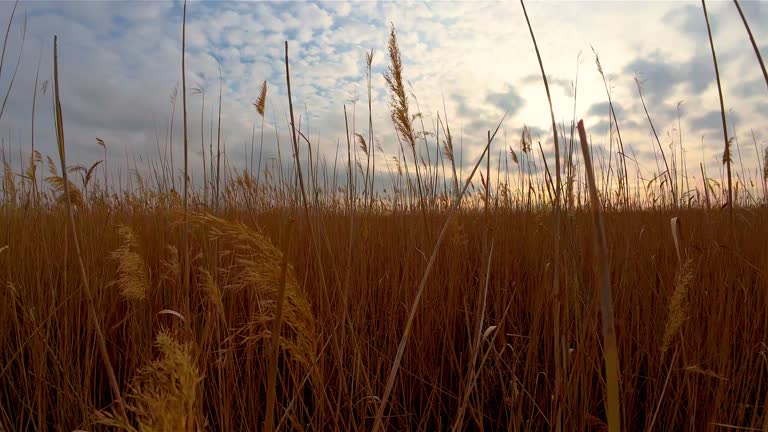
column 186, row 143
column 752, row 40
column 101, row 341
column 606, row 302
column 727, row 152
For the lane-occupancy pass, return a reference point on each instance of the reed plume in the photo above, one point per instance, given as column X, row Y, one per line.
column 132, row 278
column 254, row 264
column 9, row 184
column 262, row 100
column 398, row 98
column 165, row 393
column 63, row 187
column 525, row 140
column 361, row 142
column 678, row 306
column 170, row 267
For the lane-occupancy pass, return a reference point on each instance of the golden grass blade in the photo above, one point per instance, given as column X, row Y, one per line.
column 185, row 233
column 727, row 151
column 172, row 313
column 102, row 345
column 752, row 40
column 675, row 223
column 556, row 295
column 606, row 302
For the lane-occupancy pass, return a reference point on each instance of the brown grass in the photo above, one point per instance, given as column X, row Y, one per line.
column 45, row 336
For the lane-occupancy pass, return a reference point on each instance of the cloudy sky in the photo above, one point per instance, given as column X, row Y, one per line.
column 120, row 61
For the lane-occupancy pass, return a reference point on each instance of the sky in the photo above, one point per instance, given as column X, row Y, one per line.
column 119, row 63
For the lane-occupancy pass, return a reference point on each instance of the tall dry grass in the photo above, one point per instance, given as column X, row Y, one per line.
column 129, row 306
column 51, row 369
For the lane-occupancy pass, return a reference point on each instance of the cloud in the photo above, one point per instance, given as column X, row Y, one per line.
column 600, row 128
column 508, row 100
column 762, row 108
column 462, row 105
column 564, row 85
column 689, row 19
column 712, row 120
column 749, row 88
column 662, row 78
column 602, row 109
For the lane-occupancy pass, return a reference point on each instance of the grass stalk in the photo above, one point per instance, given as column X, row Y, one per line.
column 752, row 40
column 185, row 233
column 556, row 295
column 218, row 141
column 100, row 340
column 727, row 142
column 668, row 172
column 611, row 354
column 33, row 167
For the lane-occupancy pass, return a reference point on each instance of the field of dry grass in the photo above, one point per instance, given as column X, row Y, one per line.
column 497, row 299
column 333, row 372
